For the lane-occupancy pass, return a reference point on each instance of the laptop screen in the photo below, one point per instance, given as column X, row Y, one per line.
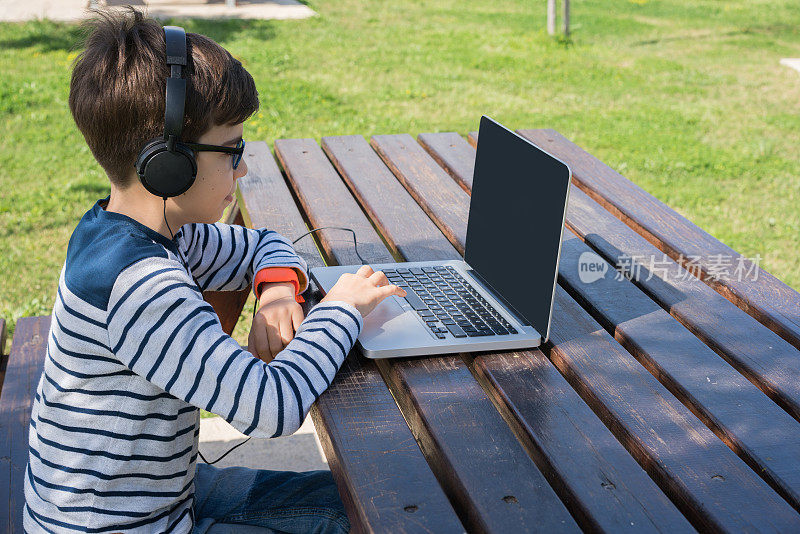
column 516, row 218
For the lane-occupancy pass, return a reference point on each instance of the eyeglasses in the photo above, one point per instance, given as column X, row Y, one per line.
column 237, row 151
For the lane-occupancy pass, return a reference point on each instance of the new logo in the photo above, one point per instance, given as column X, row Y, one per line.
column 591, row 267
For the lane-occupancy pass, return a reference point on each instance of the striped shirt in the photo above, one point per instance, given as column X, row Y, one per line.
column 133, row 353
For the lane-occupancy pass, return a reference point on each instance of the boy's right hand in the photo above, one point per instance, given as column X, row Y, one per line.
column 364, row 290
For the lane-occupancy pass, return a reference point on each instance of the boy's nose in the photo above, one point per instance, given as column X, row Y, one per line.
column 241, row 169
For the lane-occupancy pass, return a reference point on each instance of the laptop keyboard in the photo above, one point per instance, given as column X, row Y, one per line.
column 447, row 303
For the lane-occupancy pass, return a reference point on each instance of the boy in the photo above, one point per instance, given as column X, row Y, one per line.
column 134, row 351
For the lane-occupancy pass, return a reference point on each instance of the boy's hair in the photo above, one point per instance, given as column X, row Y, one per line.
column 117, row 92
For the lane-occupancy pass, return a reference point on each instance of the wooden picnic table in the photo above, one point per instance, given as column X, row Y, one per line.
column 665, row 400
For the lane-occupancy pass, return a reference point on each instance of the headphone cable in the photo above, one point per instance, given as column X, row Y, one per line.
column 355, row 246
column 201, row 291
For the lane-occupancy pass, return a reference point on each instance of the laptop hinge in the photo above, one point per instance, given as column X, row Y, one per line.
column 518, row 316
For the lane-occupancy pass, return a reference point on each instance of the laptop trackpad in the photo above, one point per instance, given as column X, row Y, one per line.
column 389, row 325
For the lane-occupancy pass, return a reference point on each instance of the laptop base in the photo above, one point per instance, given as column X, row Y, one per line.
column 395, row 329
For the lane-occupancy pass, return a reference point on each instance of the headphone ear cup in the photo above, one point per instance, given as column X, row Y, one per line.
column 150, row 148
column 165, row 173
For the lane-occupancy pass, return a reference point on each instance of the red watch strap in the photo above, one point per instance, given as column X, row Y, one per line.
column 278, row 274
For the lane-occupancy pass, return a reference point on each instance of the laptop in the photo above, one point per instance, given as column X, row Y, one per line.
column 501, row 296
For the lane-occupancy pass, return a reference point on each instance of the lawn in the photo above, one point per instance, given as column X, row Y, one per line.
column 687, row 99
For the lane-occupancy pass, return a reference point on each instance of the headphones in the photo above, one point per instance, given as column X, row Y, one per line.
column 165, row 167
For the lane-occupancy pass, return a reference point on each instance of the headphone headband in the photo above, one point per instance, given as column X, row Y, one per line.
column 175, row 39
column 165, row 167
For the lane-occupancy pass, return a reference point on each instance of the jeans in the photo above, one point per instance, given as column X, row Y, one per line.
column 258, row 501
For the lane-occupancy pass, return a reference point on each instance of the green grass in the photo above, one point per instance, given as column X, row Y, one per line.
column 687, row 99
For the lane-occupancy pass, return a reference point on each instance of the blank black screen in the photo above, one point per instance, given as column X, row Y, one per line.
column 516, row 215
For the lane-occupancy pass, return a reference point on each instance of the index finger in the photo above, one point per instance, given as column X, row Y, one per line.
column 275, row 343
column 391, row 289
column 365, row 270
column 260, row 343
column 297, row 318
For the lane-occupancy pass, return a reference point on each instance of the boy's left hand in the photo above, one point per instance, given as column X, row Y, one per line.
column 278, row 317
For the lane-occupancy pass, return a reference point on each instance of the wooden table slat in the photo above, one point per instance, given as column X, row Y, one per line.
column 382, row 476
column 703, row 477
column 334, row 242
column 766, row 298
column 25, row 364
column 581, row 464
column 442, row 199
column 463, row 436
column 604, row 485
column 452, row 154
column 765, row 358
column 386, row 201
column 733, row 407
column 625, row 396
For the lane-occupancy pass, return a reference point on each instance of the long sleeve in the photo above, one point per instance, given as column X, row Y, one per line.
column 225, row 257
column 161, row 329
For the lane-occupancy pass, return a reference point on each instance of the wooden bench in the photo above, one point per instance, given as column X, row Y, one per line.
column 19, row 376
column 3, row 358
column 658, row 404
column 24, row 367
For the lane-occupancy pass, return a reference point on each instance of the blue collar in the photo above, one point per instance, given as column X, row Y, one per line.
column 102, row 214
